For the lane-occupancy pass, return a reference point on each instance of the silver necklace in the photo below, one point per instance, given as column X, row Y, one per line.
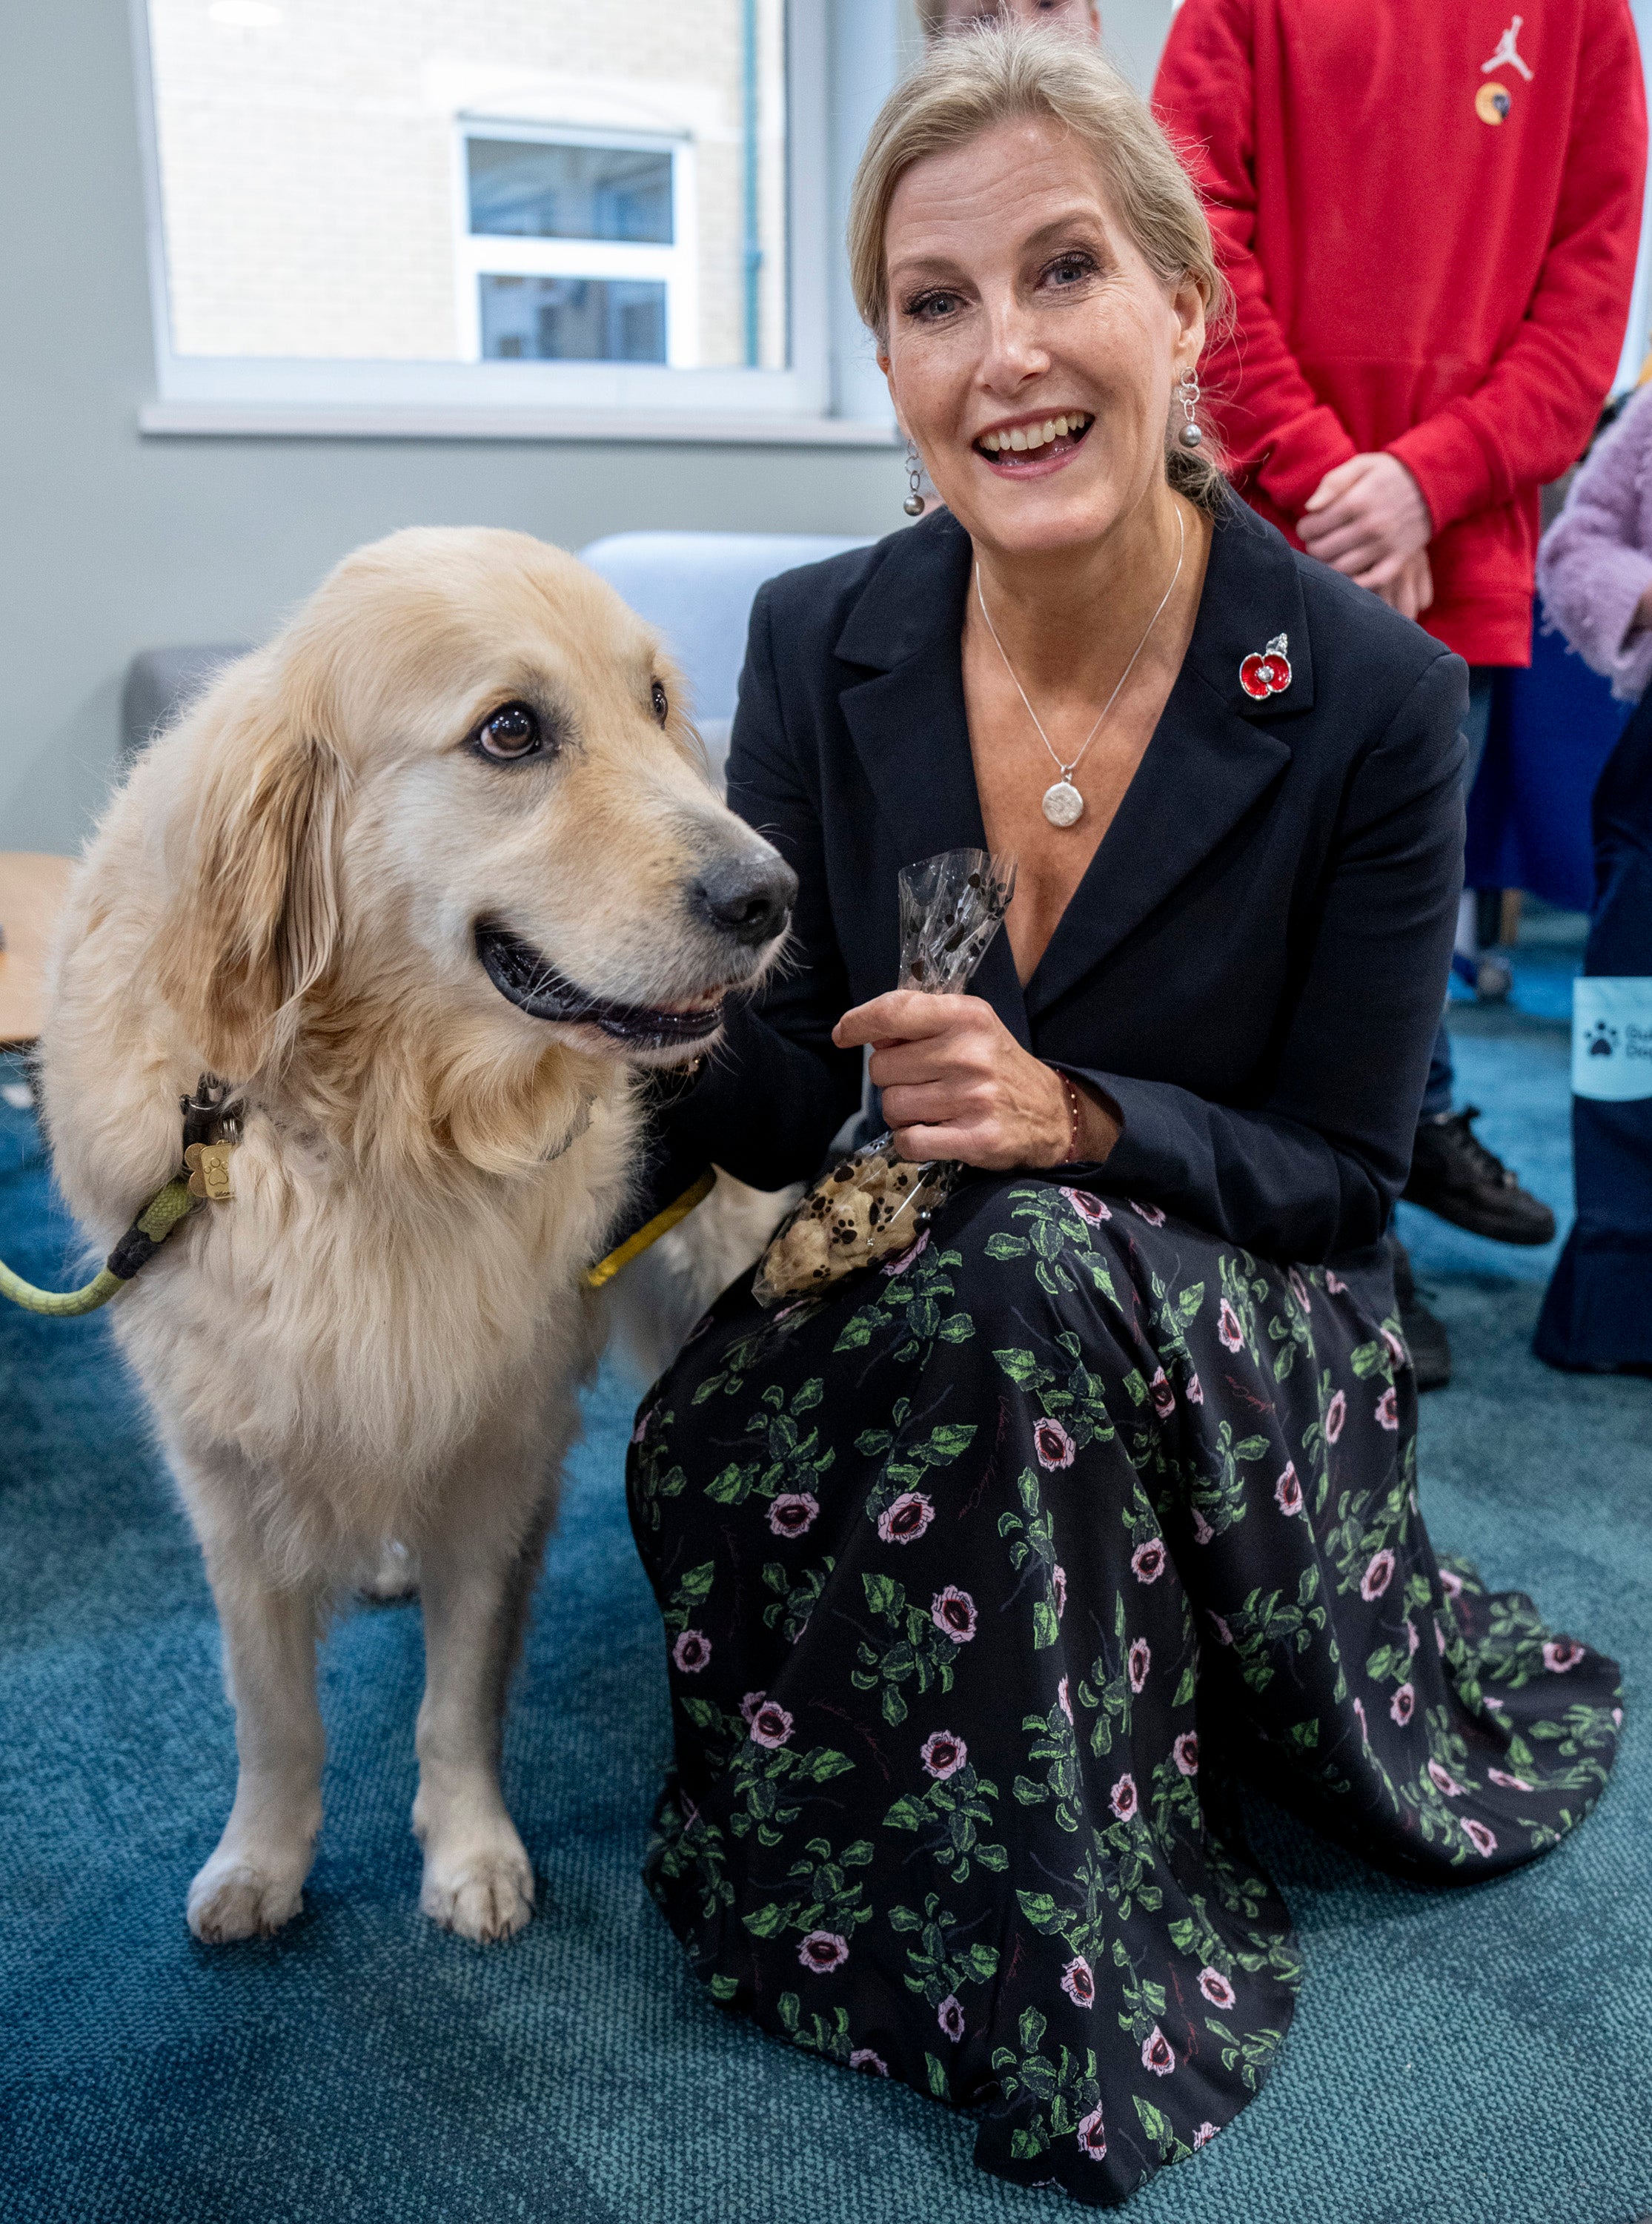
column 1064, row 806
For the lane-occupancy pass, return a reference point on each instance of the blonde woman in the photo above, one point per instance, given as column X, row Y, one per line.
column 985, row 1576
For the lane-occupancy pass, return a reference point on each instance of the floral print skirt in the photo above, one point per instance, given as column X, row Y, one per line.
column 985, row 1576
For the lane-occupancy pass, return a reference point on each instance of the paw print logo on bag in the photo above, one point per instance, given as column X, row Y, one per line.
column 874, row 1203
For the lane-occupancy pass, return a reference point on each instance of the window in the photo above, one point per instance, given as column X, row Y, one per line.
column 468, row 205
column 577, row 252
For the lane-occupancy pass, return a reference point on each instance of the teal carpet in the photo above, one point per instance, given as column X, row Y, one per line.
column 1477, row 2058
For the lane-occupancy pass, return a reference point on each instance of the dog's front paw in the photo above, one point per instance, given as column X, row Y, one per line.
column 486, row 1893
column 234, row 1898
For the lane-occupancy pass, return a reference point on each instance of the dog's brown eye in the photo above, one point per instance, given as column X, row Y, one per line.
column 660, row 705
column 511, row 733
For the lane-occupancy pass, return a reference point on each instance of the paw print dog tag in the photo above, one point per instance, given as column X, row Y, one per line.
column 209, row 1171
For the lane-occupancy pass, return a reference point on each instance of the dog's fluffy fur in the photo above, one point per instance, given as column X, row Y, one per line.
column 379, row 1342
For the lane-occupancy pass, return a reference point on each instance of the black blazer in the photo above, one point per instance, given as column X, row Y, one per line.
column 1253, row 966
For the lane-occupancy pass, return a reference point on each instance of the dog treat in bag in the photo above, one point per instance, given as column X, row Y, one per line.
column 874, row 1203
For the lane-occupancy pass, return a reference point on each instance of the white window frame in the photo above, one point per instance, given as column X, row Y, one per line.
column 507, row 254
column 275, row 397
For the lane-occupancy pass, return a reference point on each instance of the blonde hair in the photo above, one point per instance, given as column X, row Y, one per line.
column 1000, row 74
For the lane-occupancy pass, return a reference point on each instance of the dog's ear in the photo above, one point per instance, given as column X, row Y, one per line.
column 254, row 921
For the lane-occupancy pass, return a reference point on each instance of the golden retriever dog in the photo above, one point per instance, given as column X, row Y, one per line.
column 426, row 880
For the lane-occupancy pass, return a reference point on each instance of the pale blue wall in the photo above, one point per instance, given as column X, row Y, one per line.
column 1638, row 338
column 1133, row 31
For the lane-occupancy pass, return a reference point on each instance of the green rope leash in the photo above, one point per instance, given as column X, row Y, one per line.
column 208, row 1115
column 174, row 1204
column 136, row 1248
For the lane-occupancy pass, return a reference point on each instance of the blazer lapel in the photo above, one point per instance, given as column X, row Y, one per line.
column 908, row 721
column 1214, row 754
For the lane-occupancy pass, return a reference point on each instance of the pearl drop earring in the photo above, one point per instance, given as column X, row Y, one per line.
column 913, row 504
column 1190, row 435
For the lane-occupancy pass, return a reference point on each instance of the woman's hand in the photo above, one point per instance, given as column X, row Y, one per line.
column 957, row 1084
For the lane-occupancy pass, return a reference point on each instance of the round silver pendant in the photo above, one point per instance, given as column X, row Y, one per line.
column 1063, row 805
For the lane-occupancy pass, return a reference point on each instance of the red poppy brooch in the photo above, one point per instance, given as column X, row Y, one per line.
column 1268, row 673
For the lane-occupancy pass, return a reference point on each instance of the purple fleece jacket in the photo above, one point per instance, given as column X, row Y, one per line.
column 1596, row 559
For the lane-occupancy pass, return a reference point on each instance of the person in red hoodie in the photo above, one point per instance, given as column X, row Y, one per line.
column 1428, row 214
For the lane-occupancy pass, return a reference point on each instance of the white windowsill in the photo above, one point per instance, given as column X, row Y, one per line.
column 269, row 421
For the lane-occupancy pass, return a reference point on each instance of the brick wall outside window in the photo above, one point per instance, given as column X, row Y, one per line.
column 309, row 178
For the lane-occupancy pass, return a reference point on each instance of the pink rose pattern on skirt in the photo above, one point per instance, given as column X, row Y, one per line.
column 953, row 1798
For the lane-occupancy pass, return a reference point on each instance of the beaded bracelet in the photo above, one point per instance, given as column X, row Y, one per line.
column 1075, row 1120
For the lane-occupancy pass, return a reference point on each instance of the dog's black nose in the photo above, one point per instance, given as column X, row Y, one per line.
column 750, row 898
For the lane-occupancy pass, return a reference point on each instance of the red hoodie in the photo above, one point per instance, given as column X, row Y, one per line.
column 1429, row 210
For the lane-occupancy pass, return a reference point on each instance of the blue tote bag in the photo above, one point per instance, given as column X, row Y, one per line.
column 1598, row 1311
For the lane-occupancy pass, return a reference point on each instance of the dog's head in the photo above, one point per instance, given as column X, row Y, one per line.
column 462, row 786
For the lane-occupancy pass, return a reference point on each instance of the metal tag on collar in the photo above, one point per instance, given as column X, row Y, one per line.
column 211, row 1130
column 209, row 1113
column 209, row 1171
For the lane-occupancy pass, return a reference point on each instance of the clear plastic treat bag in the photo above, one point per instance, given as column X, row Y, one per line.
column 875, row 1203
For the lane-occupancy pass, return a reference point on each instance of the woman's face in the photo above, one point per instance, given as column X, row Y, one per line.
column 1018, row 302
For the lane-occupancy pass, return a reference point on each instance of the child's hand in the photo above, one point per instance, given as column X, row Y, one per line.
column 1411, row 589
column 1366, row 518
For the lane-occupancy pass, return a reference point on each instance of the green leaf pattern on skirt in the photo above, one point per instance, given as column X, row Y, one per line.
column 984, row 1579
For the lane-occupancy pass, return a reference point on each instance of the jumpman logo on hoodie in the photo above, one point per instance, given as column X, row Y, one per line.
column 1509, row 51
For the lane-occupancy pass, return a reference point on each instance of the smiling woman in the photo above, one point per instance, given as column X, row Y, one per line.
column 1032, row 260
column 987, row 1574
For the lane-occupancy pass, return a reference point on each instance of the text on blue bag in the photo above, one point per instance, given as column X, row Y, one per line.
column 1611, row 1038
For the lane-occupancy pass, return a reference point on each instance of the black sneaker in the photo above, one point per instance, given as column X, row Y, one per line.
column 1454, row 1174
column 1425, row 1332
